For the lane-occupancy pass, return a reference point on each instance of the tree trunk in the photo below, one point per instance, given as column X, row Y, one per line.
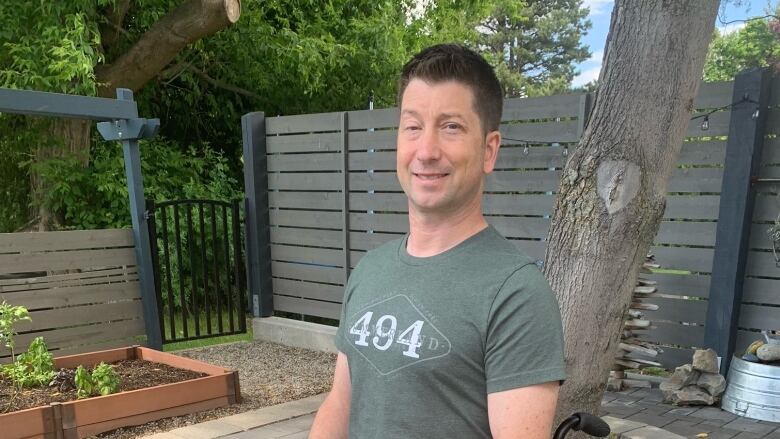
column 67, row 137
column 189, row 22
column 613, row 188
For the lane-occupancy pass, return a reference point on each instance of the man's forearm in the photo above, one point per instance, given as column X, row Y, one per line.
column 332, row 420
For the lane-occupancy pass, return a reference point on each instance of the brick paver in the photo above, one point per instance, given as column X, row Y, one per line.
column 644, row 405
column 640, row 414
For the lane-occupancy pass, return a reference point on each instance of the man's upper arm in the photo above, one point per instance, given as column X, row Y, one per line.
column 342, row 385
column 525, row 412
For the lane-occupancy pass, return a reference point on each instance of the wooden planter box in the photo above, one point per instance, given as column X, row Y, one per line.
column 87, row 417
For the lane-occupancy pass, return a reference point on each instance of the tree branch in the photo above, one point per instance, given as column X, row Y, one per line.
column 222, row 84
column 724, row 23
column 189, row 22
column 111, row 28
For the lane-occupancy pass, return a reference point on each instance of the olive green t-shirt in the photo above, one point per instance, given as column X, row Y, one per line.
column 428, row 338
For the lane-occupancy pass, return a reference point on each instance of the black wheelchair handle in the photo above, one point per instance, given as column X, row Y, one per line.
column 585, row 422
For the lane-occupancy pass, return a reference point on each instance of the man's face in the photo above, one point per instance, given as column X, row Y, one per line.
column 442, row 152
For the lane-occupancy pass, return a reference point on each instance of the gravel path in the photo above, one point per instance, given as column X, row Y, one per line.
column 269, row 374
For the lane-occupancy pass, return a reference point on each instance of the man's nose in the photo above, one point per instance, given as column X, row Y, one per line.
column 429, row 148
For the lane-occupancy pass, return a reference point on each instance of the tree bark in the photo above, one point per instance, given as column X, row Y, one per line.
column 67, row 137
column 613, row 188
column 189, row 22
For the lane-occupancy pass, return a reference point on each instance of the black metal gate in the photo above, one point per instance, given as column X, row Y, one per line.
column 198, row 268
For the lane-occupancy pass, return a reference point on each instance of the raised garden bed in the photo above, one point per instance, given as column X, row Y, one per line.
column 86, row 417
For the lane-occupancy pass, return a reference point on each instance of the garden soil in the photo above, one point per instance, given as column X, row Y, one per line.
column 133, row 374
column 269, row 374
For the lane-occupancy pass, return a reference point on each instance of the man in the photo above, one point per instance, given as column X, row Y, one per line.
column 449, row 332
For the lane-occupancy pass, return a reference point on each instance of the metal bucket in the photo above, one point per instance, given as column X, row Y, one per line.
column 753, row 390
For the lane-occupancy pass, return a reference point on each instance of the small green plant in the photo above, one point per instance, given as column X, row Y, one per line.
column 102, row 381
column 9, row 316
column 32, row 368
column 105, row 379
column 84, row 385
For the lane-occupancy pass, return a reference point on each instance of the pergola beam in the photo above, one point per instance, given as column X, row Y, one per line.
column 39, row 103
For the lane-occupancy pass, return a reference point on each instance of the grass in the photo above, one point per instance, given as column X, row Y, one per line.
column 668, row 271
column 189, row 344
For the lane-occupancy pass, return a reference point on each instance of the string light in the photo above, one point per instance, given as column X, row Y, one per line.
column 705, row 123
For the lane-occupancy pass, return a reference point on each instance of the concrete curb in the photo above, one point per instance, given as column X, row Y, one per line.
column 245, row 421
column 295, row 333
column 623, row 429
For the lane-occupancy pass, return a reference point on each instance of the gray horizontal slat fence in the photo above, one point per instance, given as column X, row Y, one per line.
column 306, row 200
column 81, row 288
column 761, row 292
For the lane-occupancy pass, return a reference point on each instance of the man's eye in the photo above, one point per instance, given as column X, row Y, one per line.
column 452, row 126
column 412, row 128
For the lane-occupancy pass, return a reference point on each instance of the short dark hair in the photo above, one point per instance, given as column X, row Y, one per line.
column 452, row 62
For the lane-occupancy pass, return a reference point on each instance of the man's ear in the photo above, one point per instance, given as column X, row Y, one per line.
column 492, row 144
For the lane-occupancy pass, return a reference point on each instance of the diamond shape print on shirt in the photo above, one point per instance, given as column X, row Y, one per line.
column 388, row 356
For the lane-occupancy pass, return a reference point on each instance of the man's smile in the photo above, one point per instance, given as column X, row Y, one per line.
column 429, row 176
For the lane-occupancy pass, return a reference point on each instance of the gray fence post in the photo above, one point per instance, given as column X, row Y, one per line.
column 583, row 115
column 743, row 158
column 345, row 192
column 258, row 239
column 135, row 189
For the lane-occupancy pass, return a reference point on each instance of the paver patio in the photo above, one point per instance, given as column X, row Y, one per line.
column 642, row 406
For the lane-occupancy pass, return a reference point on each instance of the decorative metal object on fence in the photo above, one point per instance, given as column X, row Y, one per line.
column 198, row 268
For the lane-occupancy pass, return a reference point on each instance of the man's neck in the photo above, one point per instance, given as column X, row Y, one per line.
column 430, row 235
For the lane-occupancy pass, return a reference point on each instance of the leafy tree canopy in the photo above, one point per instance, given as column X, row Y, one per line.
column 281, row 57
column 755, row 45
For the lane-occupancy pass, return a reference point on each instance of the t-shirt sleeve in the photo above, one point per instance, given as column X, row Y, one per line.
column 524, row 344
column 341, row 336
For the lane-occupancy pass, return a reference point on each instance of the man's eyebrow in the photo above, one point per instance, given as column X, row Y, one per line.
column 410, row 112
column 451, row 115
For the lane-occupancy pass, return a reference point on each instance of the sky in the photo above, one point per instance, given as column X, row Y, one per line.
column 601, row 11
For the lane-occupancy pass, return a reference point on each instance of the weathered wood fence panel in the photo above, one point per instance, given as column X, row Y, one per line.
column 306, row 206
column 81, row 288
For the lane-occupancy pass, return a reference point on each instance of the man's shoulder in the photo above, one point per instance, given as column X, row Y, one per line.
column 501, row 252
column 382, row 253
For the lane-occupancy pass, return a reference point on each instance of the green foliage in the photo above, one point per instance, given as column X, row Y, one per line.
column 755, row 45
column 32, row 368
column 295, row 57
column 105, row 379
column 10, row 316
column 14, row 170
column 85, row 387
column 50, row 46
column 102, row 381
column 96, row 197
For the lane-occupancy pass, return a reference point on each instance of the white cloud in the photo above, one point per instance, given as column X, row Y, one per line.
column 586, row 76
column 592, row 68
column 730, row 28
column 596, row 57
column 598, row 6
